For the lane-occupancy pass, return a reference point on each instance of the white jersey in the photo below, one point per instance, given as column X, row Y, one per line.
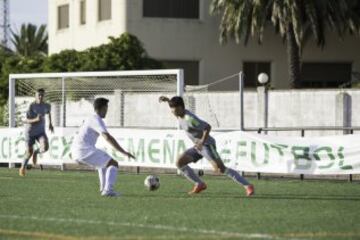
column 85, row 140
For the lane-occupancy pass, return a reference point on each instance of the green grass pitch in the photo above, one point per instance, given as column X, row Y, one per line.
column 67, row 206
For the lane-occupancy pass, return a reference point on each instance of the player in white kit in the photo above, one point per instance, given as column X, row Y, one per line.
column 84, row 150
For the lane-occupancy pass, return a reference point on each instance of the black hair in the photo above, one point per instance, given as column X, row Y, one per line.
column 176, row 101
column 40, row 90
column 100, row 103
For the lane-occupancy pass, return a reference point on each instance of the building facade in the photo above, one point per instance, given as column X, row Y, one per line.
column 182, row 34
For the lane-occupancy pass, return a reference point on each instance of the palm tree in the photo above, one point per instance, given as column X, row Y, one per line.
column 31, row 40
column 295, row 20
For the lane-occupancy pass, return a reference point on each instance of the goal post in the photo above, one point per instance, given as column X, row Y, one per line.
column 71, row 94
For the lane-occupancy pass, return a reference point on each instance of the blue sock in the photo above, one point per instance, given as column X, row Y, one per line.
column 234, row 175
column 190, row 175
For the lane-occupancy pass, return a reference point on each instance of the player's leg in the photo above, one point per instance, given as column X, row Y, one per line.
column 110, row 178
column 29, row 152
column 44, row 146
column 182, row 164
column 210, row 153
column 109, row 168
column 102, row 175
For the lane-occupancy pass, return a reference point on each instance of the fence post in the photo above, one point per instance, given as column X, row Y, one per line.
column 343, row 113
column 258, row 175
column 302, row 135
column 350, row 175
column 241, row 91
column 63, row 102
column 119, row 104
column 262, row 109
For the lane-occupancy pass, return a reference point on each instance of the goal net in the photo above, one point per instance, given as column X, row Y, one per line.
column 133, row 96
column 218, row 102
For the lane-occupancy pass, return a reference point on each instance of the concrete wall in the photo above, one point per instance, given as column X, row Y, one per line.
column 305, row 108
column 222, row 110
column 189, row 39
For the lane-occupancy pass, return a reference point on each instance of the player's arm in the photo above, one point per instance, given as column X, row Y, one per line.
column 33, row 120
column 206, row 132
column 29, row 116
column 112, row 141
column 51, row 128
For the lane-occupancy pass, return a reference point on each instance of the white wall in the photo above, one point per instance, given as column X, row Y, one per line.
column 299, row 108
column 93, row 33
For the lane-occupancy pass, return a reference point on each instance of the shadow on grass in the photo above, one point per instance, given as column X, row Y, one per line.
column 227, row 195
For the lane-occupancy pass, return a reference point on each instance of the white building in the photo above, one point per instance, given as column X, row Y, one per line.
column 183, row 34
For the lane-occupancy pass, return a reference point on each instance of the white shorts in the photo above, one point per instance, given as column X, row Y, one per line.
column 97, row 158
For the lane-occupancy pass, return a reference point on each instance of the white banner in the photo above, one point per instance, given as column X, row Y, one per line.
column 243, row 151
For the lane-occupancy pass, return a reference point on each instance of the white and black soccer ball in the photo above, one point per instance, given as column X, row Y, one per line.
column 152, row 182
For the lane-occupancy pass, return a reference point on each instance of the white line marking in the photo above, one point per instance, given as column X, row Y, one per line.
column 155, row 226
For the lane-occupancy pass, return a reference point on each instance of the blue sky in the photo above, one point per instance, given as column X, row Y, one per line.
column 27, row 11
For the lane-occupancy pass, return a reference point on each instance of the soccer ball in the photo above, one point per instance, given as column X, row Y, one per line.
column 152, row 182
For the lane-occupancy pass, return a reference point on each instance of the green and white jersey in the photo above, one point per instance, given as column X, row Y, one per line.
column 194, row 127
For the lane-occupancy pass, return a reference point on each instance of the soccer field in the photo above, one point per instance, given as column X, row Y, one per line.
column 67, row 206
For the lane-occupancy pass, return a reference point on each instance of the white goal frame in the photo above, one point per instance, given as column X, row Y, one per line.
column 13, row 77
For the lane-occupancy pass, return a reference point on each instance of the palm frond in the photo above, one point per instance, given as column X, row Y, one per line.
column 30, row 40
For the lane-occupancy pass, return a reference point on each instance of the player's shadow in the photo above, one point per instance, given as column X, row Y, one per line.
column 259, row 196
column 280, row 196
column 175, row 195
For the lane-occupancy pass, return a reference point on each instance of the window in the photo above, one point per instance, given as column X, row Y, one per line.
column 171, row 8
column 63, row 16
column 104, row 10
column 82, row 12
column 253, row 69
column 324, row 75
column 191, row 70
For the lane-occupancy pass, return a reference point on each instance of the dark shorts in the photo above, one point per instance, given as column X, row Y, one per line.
column 30, row 140
column 208, row 151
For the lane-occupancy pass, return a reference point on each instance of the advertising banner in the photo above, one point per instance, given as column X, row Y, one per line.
column 249, row 152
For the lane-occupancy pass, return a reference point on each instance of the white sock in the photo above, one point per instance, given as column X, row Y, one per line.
column 190, row 174
column 234, row 175
column 110, row 179
column 102, row 174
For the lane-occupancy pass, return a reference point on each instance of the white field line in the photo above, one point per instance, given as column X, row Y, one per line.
column 150, row 226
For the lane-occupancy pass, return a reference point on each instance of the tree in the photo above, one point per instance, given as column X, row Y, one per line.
column 295, row 20
column 4, row 55
column 30, row 41
column 123, row 53
column 65, row 61
column 17, row 64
